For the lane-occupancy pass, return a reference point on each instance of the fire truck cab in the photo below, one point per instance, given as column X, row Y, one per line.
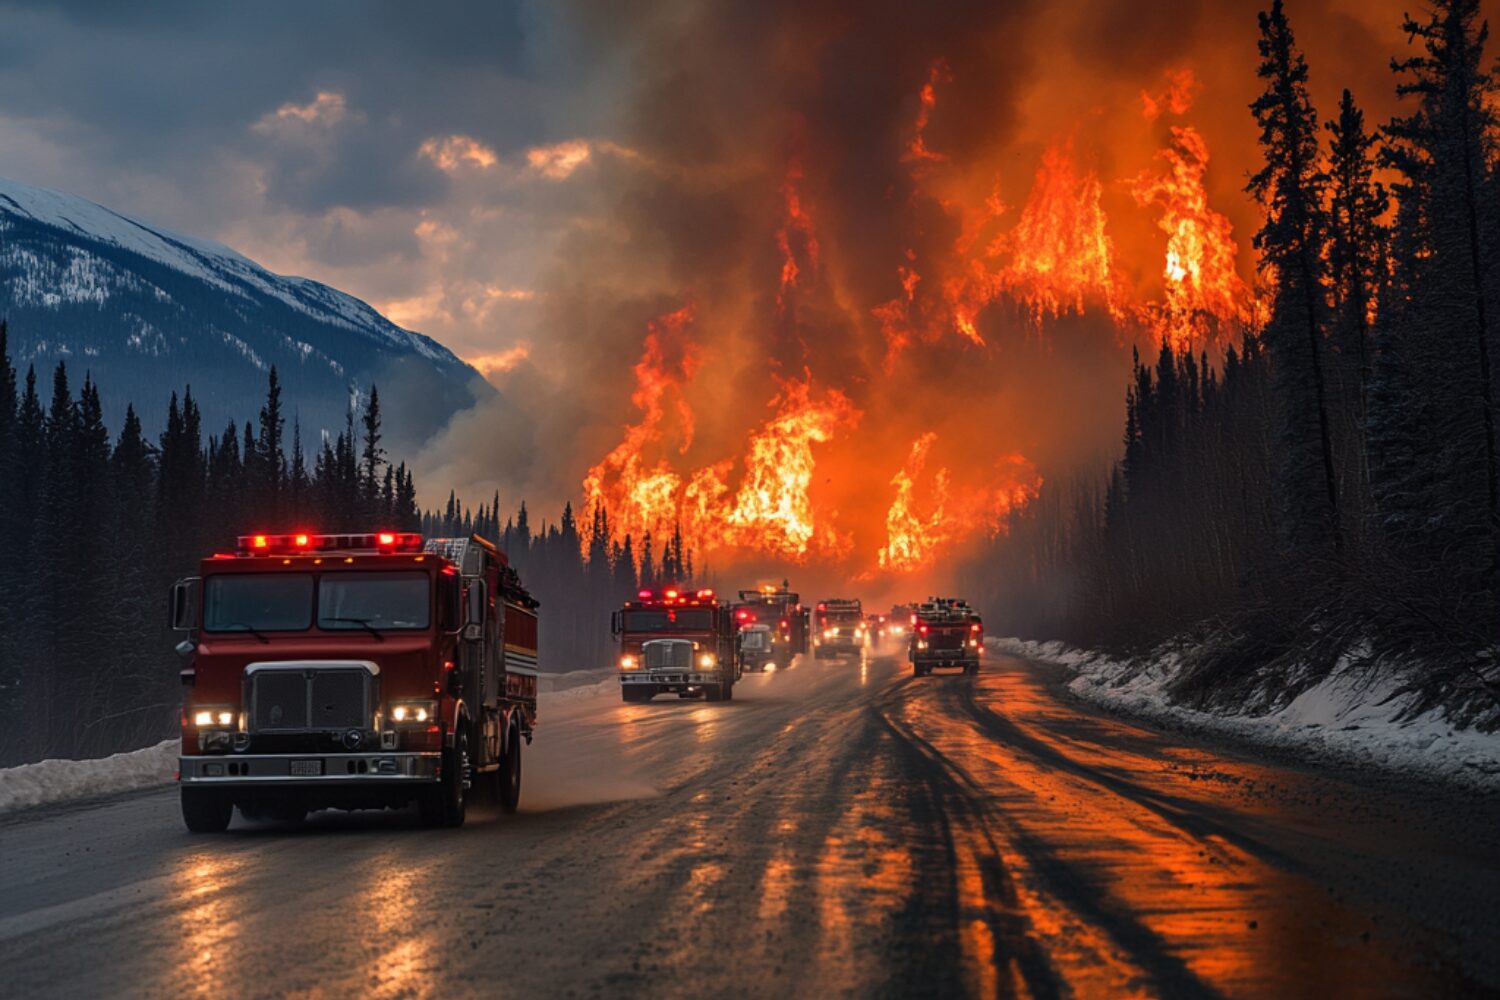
column 840, row 628
column 946, row 632
column 781, row 610
column 353, row 671
column 676, row 642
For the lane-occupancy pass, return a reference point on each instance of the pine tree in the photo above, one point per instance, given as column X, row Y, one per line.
column 1291, row 187
column 269, row 467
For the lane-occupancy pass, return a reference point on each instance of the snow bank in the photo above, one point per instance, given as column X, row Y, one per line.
column 51, row 782
column 1348, row 718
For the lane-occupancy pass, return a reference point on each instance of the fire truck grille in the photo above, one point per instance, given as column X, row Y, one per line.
column 948, row 640
column 309, row 700
column 669, row 656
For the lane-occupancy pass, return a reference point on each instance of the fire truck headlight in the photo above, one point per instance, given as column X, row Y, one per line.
column 707, row 661
column 921, row 644
column 829, row 633
column 213, row 717
column 628, row 662
column 413, row 712
column 973, row 643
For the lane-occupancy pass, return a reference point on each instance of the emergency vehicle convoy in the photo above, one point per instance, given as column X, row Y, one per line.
column 672, row 642
column 353, row 671
column 945, row 632
column 840, row 628
column 780, row 609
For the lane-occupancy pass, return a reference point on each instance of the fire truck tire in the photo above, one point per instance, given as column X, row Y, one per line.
column 446, row 805
column 508, row 778
column 713, row 692
column 205, row 810
column 729, row 691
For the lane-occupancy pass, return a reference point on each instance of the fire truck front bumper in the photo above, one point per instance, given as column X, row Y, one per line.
column 670, row 680
column 310, row 770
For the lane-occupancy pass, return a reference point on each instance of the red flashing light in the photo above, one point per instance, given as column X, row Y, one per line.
column 385, row 538
column 784, row 623
column 705, row 594
column 973, row 628
column 922, row 629
column 671, row 595
column 301, row 541
column 260, row 542
column 644, row 595
column 822, row 606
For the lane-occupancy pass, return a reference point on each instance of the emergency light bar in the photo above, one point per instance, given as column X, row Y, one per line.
column 375, row 541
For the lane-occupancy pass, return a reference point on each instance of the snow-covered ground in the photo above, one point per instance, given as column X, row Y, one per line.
column 50, row 782
column 1347, row 719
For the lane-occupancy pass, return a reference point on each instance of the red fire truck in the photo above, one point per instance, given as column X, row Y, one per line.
column 781, row 609
column 841, row 628
column 946, row 632
column 353, row 671
column 680, row 642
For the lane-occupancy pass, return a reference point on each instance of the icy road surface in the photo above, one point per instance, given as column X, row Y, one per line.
column 838, row 828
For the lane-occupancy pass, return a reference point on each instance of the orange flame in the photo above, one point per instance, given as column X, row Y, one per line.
column 1202, row 286
column 1060, row 253
column 796, row 239
column 912, row 538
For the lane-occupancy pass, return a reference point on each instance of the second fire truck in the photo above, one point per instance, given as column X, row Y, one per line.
column 945, row 632
column 676, row 642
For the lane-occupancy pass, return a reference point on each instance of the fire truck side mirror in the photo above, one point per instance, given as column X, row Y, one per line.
column 182, row 608
column 475, row 610
column 616, row 623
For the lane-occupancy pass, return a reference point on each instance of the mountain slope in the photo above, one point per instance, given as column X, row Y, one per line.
column 147, row 310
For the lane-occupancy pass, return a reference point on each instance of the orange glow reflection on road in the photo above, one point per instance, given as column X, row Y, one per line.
column 403, row 960
column 207, row 925
column 1127, row 819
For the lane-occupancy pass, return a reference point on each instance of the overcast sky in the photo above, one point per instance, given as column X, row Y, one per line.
column 414, row 154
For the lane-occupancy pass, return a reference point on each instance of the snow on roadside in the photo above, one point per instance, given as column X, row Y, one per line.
column 51, row 782
column 1347, row 718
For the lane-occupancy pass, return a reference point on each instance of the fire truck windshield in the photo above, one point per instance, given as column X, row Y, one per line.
column 671, row 620
column 270, row 602
column 373, row 601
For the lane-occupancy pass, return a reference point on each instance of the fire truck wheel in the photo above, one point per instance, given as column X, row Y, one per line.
column 713, row 692
column 729, row 691
column 444, row 806
column 206, row 811
column 509, row 777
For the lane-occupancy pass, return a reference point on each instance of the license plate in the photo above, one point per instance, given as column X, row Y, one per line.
column 306, row 768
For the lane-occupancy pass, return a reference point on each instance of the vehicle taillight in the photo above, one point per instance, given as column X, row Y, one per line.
column 922, row 629
column 973, row 628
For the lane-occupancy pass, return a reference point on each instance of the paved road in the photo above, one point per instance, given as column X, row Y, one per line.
column 835, row 829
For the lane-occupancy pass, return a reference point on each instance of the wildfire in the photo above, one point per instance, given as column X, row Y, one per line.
column 1056, row 254
column 1202, row 286
column 912, row 537
column 770, row 510
column 796, row 239
column 1060, row 255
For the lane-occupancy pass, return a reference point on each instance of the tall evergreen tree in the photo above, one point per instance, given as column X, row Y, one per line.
column 1291, row 188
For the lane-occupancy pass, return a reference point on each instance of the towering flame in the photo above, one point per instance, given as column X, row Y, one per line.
column 1202, row 287
column 952, row 513
column 1060, row 254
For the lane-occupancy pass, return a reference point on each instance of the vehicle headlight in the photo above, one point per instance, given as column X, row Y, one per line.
column 628, row 662
column 413, row 712
column 921, row 643
column 213, row 715
column 829, row 633
column 896, row 630
column 973, row 643
column 707, row 661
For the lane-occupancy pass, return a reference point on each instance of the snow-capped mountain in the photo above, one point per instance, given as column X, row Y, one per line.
column 147, row 310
